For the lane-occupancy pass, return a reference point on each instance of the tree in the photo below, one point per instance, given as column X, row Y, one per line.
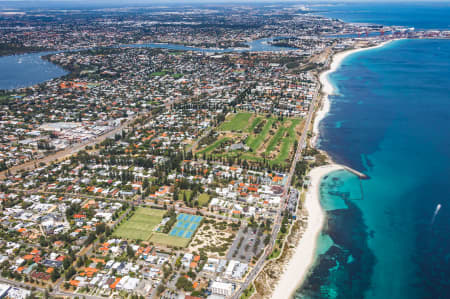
column 67, row 262
column 267, row 239
column 55, row 275
column 145, row 184
column 100, row 228
column 161, row 287
column 71, row 272
column 80, row 261
column 130, row 251
column 185, row 284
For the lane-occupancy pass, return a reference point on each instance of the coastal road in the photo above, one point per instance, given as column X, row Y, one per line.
column 277, row 225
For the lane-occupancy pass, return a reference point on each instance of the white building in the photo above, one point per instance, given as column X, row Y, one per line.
column 18, row 293
column 222, row 288
column 236, row 269
column 128, row 283
column 4, row 288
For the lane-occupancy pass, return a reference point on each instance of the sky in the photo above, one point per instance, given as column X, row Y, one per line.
column 213, row 1
column 74, row 4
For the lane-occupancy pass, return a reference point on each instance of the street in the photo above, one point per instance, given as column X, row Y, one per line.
column 277, row 225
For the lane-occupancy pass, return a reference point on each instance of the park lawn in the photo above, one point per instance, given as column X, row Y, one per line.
column 233, row 154
column 287, row 143
column 251, row 157
column 203, row 199
column 283, row 154
column 291, row 129
column 162, row 73
column 275, row 139
column 255, row 122
column 187, row 192
column 238, row 123
column 140, row 226
column 169, row 240
column 177, row 76
column 213, row 146
column 254, row 142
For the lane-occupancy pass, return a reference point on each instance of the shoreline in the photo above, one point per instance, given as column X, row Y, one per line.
column 303, row 258
column 327, row 89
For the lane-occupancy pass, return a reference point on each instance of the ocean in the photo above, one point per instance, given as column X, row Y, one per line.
column 384, row 237
column 388, row 236
column 420, row 15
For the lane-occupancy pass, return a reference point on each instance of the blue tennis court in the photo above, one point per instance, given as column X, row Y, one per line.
column 186, row 225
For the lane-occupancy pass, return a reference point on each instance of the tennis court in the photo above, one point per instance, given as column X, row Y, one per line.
column 185, row 226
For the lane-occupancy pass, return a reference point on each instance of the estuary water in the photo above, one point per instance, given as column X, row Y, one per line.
column 17, row 71
column 388, row 236
column 25, row 70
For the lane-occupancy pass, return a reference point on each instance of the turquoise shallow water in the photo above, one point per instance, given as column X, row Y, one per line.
column 390, row 120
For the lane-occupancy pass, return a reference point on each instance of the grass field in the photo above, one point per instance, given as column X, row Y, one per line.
column 159, row 74
column 169, row 240
column 140, row 226
column 254, row 142
column 213, row 146
column 239, row 122
column 203, row 199
column 255, row 122
column 287, row 142
column 182, row 192
column 275, row 140
column 267, row 137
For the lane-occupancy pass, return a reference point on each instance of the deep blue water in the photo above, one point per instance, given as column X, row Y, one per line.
column 25, row 70
column 391, row 120
column 421, row 15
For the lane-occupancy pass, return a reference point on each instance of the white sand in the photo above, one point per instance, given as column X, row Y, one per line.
column 303, row 258
column 328, row 89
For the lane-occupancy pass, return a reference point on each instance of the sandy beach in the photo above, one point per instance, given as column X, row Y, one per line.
column 327, row 88
column 303, row 258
